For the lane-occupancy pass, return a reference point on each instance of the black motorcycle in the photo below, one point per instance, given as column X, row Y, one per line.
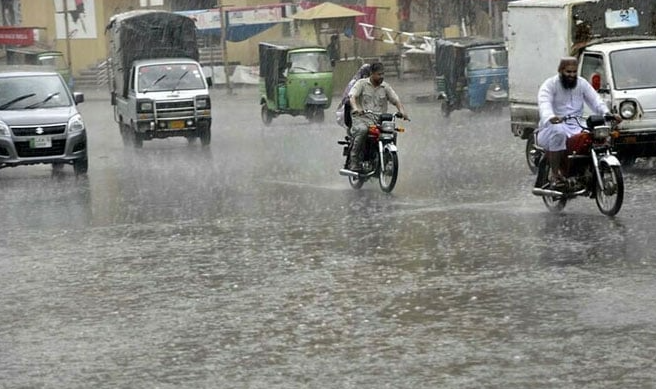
column 594, row 170
column 379, row 153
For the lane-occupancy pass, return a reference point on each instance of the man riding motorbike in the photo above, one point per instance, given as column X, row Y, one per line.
column 563, row 95
column 369, row 94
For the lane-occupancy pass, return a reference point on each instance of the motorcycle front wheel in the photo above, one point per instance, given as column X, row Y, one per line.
column 389, row 170
column 553, row 204
column 609, row 197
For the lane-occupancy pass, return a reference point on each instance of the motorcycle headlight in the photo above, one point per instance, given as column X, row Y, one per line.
column 602, row 132
column 4, row 129
column 318, row 91
column 75, row 124
column 628, row 110
column 387, row 126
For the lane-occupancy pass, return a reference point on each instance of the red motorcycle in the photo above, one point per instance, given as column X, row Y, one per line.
column 379, row 153
column 594, row 170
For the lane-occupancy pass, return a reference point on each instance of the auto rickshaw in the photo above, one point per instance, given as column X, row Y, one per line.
column 33, row 55
column 471, row 73
column 295, row 79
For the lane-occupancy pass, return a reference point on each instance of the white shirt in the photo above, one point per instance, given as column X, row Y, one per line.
column 555, row 100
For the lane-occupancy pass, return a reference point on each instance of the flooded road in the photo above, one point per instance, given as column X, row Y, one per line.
column 253, row 264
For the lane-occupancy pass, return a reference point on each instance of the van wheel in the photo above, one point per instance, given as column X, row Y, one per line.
column 267, row 115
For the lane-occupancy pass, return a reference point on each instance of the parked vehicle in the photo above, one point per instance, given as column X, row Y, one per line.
column 379, row 153
column 613, row 40
column 594, row 171
column 471, row 73
column 39, row 121
column 295, row 79
column 158, row 88
column 32, row 55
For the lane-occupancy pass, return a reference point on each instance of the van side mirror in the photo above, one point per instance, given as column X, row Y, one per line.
column 113, row 98
column 209, row 81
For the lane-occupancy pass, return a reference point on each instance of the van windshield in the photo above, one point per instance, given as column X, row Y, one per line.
column 630, row 70
column 166, row 77
column 487, row 58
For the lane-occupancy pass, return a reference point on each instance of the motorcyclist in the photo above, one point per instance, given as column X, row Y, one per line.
column 369, row 94
column 563, row 95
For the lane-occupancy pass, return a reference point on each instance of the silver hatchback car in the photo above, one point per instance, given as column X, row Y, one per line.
column 39, row 121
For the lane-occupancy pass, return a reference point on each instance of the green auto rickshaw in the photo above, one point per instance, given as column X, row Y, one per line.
column 295, row 79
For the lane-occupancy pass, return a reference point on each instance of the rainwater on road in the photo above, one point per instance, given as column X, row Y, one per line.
column 253, row 264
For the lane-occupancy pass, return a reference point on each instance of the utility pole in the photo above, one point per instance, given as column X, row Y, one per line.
column 68, row 38
column 224, row 44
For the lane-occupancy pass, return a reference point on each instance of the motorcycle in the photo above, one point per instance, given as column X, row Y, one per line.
column 593, row 168
column 379, row 153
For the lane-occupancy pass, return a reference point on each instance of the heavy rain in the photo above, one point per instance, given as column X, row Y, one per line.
column 251, row 263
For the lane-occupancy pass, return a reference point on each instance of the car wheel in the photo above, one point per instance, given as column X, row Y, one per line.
column 81, row 166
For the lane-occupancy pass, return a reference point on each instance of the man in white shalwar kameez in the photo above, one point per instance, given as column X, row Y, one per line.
column 559, row 96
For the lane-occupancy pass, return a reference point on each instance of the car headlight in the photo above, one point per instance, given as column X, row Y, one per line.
column 4, row 129
column 628, row 110
column 75, row 124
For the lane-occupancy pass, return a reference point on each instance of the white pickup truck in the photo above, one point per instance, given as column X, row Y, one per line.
column 158, row 89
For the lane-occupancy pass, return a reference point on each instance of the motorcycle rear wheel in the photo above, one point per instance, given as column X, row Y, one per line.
column 609, row 198
column 356, row 182
column 389, row 170
column 553, row 204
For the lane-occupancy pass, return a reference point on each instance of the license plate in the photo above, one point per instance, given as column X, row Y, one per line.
column 40, row 142
column 630, row 139
column 176, row 124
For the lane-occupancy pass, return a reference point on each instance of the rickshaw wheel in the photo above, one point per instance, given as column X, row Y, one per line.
column 316, row 115
column 445, row 108
column 267, row 115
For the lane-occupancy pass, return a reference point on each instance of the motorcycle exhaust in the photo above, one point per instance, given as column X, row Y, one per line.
column 346, row 172
column 547, row 192
column 555, row 193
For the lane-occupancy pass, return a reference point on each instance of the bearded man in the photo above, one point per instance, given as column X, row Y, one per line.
column 563, row 95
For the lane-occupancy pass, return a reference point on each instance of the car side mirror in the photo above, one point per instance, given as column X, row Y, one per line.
column 79, row 97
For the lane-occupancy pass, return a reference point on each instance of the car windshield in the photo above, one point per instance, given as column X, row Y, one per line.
column 487, row 58
column 185, row 76
column 309, row 62
column 629, row 70
column 28, row 92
